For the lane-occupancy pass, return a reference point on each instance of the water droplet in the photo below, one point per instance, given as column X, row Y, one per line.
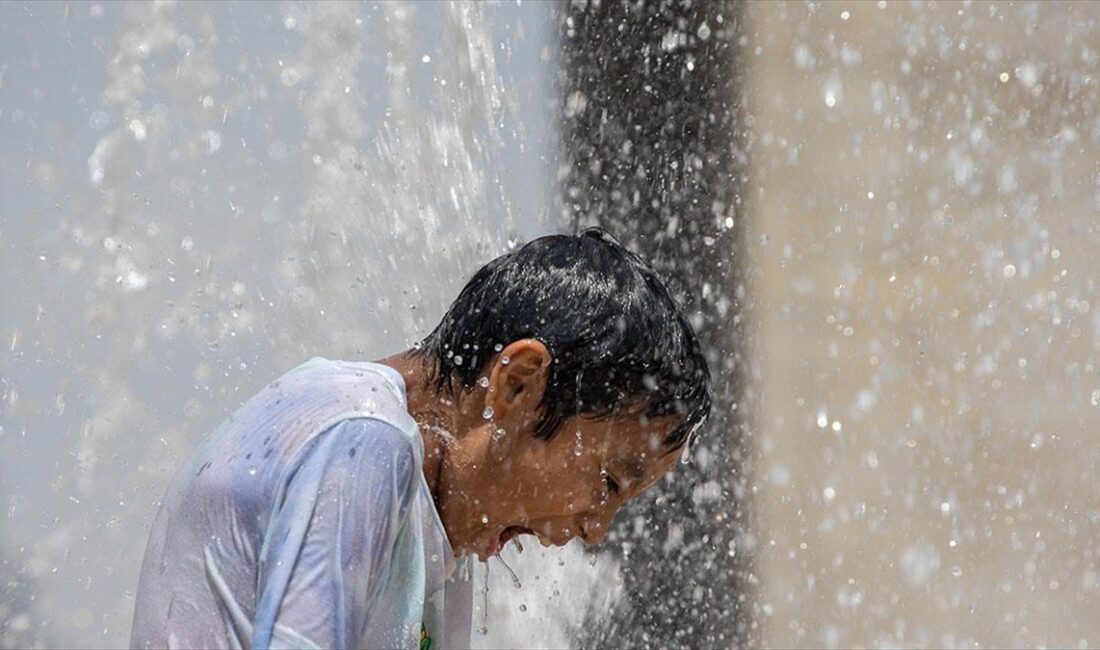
column 685, row 455
column 458, row 359
column 484, row 628
column 99, row 120
column 483, row 382
column 252, row 471
column 505, row 360
column 919, row 563
column 484, row 519
column 498, row 347
column 1010, row 270
column 138, row 130
column 487, row 414
column 213, row 141
column 522, row 607
column 515, row 580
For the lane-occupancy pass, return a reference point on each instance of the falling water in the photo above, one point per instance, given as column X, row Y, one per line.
column 242, row 186
column 196, row 197
column 512, row 574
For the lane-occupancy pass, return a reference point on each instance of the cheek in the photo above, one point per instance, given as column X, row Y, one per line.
column 554, row 466
column 552, row 490
column 561, row 494
column 552, row 480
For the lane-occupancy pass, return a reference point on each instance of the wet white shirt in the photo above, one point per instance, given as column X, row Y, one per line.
column 305, row 521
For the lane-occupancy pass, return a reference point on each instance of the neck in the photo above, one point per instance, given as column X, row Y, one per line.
column 434, row 416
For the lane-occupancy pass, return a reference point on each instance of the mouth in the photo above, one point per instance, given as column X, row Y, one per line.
column 510, row 533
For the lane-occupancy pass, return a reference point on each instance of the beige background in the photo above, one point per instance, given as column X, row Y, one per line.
column 923, row 210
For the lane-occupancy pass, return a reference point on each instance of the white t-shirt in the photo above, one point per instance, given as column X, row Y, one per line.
column 305, row 520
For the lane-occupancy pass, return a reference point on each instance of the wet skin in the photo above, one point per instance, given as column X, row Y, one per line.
column 493, row 480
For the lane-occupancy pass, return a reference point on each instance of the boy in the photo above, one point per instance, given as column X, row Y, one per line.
column 329, row 509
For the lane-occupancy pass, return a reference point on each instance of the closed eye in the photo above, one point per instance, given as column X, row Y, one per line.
column 612, row 484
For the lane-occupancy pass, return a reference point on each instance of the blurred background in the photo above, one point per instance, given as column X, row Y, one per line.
column 880, row 215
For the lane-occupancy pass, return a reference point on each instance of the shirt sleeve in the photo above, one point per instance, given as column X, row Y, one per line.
column 328, row 546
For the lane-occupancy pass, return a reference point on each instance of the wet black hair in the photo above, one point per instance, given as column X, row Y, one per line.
column 618, row 341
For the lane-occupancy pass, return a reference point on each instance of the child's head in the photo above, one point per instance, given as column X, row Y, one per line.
column 580, row 378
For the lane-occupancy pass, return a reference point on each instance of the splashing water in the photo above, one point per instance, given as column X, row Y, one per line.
column 483, row 625
column 255, row 207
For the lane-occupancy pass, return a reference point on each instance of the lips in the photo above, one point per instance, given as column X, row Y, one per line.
column 510, row 532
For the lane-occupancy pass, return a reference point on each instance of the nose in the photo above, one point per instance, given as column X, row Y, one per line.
column 594, row 529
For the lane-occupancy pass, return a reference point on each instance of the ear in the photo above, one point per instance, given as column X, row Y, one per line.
column 517, row 382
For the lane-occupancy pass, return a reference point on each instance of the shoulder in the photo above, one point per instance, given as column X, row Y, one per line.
column 351, row 388
column 373, row 436
column 365, row 468
column 363, row 451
